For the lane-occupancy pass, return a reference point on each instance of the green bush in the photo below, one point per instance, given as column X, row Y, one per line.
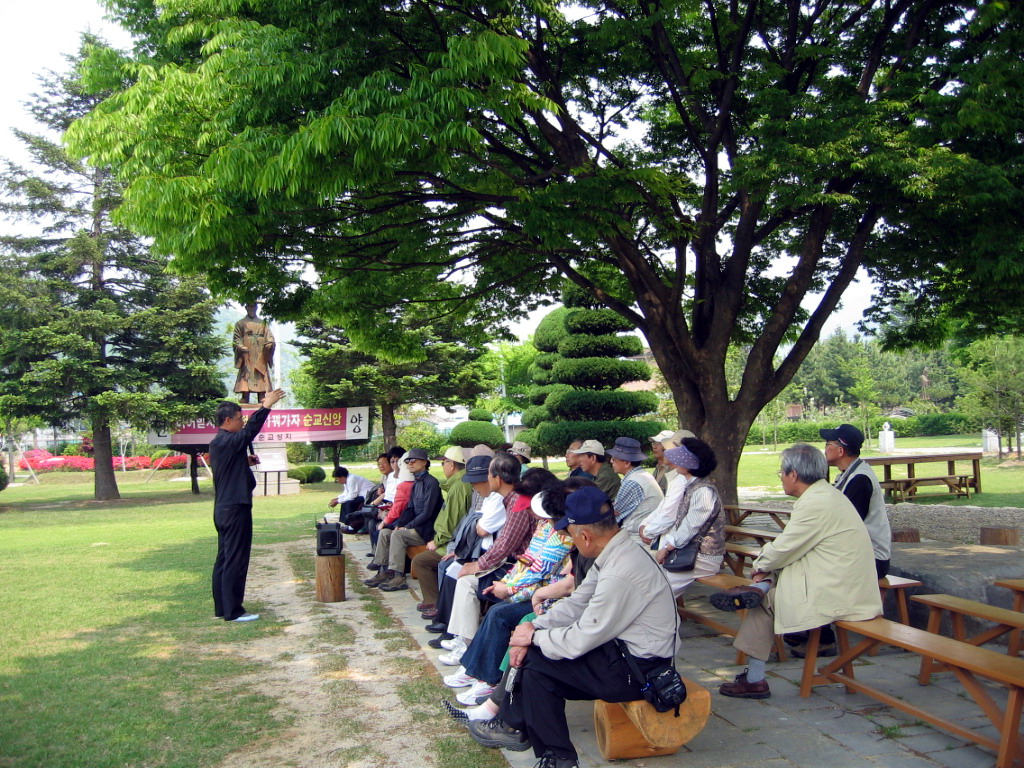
column 535, row 415
column 595, row 322
column 952, row 423
column 300, row 453
column 159, row 453
column 599, row 372
column 529, row 436
column 308, row 473
column 3, row 477
column 588, row 405
column 538, row 394
column 607, row 345
column 554, row 437
column 470, row 433
column 541, row 376
column 547, row 359
column 551, row 330
column 423, row 434
column 481, row 414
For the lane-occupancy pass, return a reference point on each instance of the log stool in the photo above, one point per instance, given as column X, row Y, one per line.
column 1000, row 536
column 634, row 729
column 911, row 535
column 330, row 578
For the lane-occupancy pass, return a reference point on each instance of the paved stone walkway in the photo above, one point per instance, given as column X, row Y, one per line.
column 830, row 728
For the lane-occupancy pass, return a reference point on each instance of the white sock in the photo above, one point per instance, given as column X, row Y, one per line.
column 486, row 711
column 764, row 586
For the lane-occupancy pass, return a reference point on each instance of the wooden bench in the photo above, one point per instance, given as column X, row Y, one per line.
column 634, row 729
column 1017, row 587
column 737, row 555
column 410, row 553
column 901, row 487
column 958, row 607
column 967, row 661
column 737, row 513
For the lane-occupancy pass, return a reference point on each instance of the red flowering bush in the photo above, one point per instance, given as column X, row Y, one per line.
column 133, row 462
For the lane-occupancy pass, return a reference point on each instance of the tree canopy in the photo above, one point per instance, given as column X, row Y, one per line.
column 714, row 172
column 92, row 326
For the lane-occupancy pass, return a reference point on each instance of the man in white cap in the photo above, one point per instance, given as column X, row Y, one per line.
column 594, row 462
column 662, row 469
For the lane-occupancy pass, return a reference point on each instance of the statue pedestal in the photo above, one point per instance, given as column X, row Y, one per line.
column 272, row 472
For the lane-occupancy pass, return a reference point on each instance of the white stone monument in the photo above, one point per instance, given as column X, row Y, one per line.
column 887, row 439
column 989, row 441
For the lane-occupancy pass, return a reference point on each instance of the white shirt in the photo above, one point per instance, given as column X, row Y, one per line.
column 390, row 486
column 356, row 485
column 492, row 517
column 664, row 517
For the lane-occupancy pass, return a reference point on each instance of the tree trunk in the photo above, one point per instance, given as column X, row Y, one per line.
column 193, row 470
column 388, row 425
column 336, row 453
column 725, row 429
column 105, row 487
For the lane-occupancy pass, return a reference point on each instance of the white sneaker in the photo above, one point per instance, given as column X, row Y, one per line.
column 479, row 692
column 453, row 644
column 247, row 617
column 453, row 658
column 459, row 679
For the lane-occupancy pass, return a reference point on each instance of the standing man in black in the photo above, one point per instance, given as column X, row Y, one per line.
column 233, row 483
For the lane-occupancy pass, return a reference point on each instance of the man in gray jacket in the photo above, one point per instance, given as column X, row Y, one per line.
column 570, row 652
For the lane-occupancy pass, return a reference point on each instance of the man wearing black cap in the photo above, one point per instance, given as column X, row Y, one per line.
column 858, row 482
column 569, row 652
column 415, row 527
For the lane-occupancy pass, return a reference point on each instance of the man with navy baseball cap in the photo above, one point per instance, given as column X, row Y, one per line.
column 569, row 652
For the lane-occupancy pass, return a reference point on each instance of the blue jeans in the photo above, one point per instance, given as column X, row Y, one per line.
column 483, row 658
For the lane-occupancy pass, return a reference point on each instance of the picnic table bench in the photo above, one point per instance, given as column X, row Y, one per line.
column 1017, row 587
column 742, row 532
column 958, row 607
column 968, row 662
column 900, row 488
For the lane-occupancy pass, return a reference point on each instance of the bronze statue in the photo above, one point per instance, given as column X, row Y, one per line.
column 254, row 355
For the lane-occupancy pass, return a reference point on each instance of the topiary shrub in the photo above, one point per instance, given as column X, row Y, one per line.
column 594, row 322
column 308, row 473
column 538, row 394
column 587, row 405
column 470, row 433
column 159, row 453
column 481, row 414
column 599, row 372
column 3, row 477
column 299, row 453
column 608, row 345
column 551, row 330
column 535, row 415
column 423, row 434
column 554, row 436
column 529, row 436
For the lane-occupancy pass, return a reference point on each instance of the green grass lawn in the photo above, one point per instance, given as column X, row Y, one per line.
column 108, row 650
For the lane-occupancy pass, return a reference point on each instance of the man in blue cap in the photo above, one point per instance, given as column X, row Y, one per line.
column 570, row 652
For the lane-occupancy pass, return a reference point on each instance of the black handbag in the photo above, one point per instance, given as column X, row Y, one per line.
column 684, row 558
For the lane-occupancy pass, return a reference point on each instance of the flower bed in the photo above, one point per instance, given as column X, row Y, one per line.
column 44, row 461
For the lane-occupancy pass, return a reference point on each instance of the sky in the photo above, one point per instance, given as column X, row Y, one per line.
column 36, row 34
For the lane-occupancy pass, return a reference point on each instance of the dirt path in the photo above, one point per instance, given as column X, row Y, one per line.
column 343, row 703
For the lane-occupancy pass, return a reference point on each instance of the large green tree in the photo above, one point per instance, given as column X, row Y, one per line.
column 92, row 326
column 733, row 164
column 336, row 374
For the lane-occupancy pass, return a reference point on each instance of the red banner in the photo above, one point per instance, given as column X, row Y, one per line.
column 299, row 425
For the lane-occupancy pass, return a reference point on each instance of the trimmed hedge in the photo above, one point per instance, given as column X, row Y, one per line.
column 538, row 394
column 3, row 478
column 595, row 322
column 308, row 473
column 553, row 437
column 551, row 330
column 535, row 415
column 926, row 425
column 588, row 405
column 540, row 375
column 599, row 372
column 470, row 433
column 546, row 359
column 608, row 345
column 480, row 414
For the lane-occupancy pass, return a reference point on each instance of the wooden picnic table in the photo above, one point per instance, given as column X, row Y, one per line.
column 739, row 512
column 959, row 483
column 1017, row 587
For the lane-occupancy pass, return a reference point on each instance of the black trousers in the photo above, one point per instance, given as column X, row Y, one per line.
column 351, row 513
column 537, row 705
column 234, row 542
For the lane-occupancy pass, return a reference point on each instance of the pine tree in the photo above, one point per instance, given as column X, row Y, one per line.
column 93, row 327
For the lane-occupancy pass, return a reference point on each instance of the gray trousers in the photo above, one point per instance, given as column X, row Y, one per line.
column 757, row 630
column 391, row 545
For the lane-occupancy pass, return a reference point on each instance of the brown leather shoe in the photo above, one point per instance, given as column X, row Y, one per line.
column 430, row 614
column 737, row 598
column 741, row 689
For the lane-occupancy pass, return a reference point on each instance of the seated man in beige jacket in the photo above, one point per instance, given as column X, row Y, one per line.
column 820, row 569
